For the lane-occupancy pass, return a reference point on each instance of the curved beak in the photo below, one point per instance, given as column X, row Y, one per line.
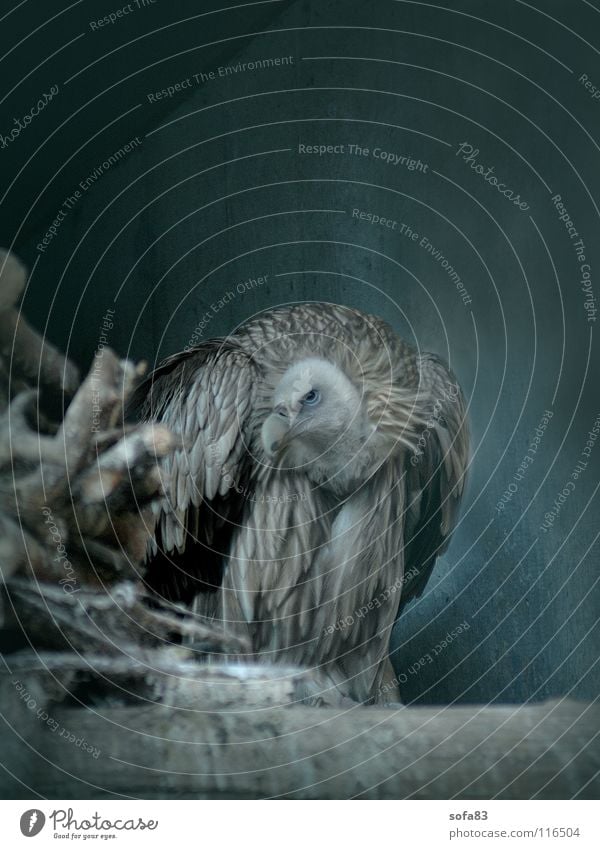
column 275, row 428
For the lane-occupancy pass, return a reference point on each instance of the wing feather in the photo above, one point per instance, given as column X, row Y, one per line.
column 206, row 396
column 436, row 474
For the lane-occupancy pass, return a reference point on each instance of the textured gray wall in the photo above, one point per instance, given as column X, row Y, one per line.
column 218, row 193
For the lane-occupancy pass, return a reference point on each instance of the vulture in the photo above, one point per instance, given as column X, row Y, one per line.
column 321, row 466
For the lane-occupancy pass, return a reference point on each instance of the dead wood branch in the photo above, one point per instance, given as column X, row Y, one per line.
column 75, row 500
column 25, row 356
column 547, row 750
column 117, row 622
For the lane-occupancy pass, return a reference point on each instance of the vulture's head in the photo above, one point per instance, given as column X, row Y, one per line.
column 318, row 423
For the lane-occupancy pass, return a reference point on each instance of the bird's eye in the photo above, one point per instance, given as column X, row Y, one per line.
column 312, row 397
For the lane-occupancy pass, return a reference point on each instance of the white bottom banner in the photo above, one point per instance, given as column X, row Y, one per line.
column 270, row 824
